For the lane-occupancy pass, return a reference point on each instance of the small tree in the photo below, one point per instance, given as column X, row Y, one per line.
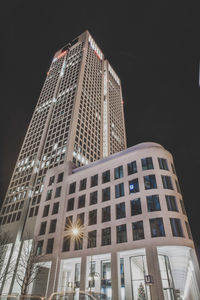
column 30, row 265
column 6, row 271
column 141, row 292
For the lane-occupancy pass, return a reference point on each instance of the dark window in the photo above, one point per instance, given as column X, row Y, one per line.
column 167, row 182
column 106, row 176
column 39, row 248
column 136, row 207
column 70, row 204
column 93, row 217
column 147, row 163
column 93, row 197
column 106, row 215
column 52, row 227
column 92, row 239
column 188, row 230
column 118, row 172
column 68, row 222
column 81, row 201
column 83, row 184
column 106, row 194
column 49, row 194
column 80, row 219
column 163, row 164
column 157, row 227
column 46, row 211
column 176, row 227
column 31, row 212
column 150, row 182
column 138, row 230
column 171, row 203
column 133, row 186
column 173, row 168
column 72, row 188
column 55, row 208
column 121, row 233
column 94, row 180
column 120, row 210
column 106, row 236
column 66, row 244
column 178, row 186
column 43, row 228
column 132, row 167
column 49, row 246
column 183, row 207
column 36, row 210
column 60, row 177
column 58, row 192
column 51, row 180
column 78, row 245
column 119, row 190
column 153, row 203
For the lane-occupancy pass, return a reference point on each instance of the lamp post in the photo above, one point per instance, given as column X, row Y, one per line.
column 76, row 232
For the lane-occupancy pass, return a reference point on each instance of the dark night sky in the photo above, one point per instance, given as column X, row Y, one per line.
column 154, row 46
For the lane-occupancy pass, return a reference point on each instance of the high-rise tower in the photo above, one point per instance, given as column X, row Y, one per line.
column 78, row 117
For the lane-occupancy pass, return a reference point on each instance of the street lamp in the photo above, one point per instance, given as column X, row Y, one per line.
column 76, row 232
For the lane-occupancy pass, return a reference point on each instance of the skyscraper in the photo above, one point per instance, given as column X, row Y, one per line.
column 78, row 117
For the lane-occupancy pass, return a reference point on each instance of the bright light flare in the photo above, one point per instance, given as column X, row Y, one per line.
column 74, row 231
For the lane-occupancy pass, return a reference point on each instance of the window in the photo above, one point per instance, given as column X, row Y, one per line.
column 167, row 182
column 176, row 227
column 55, row 208
column 183, row 207
column 118, row 172
column 171, row 203
column 66, row 244
column 45, row 211
column 70, row 204
column 52, row 227
column 153, row 203
column 51, row 180
column 188, row 230
column 150, row 182
column 147, row 163
column 93, row 197
column 83, row 184
column 36, row 210
column 60, row 177
column 31, row 212
column 92, row 237
column 106, row 236
column 43, row 228
column 138, row 230
column 72, row 188
column 94, row 180
column 78, row 245
column 173, row 168
column 133, row 186
column 178, row 186
column 136, row 207
column 157, row 227
column 49, row 194
column 50, row 243
column 58, row 192
column 106, row 215
column 163, row 164
column 39, row 248
column 81, row 201
column 106, row 194
column 121, row 234
column 93, row 217
column 132, row 167
column 68, row 222
column 80, row 218
column 119, row 190
column 106, row 176
column 120, row 210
